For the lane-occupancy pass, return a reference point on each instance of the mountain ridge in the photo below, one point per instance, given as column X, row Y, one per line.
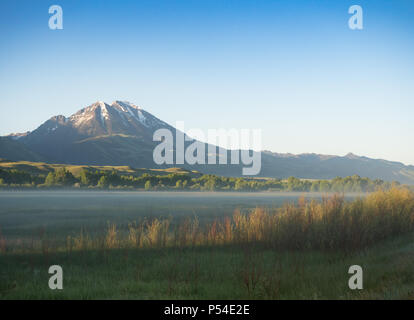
column 121, row 133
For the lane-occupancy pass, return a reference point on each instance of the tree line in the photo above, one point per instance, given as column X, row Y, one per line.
column 104, row 179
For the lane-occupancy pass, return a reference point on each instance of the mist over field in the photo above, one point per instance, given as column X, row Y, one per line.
column 62, row 213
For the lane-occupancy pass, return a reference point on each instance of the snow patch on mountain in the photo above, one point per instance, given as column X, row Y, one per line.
column 18, row 135
column 52, row 129
column 142, row 118
column 121, row 114
column 80, row 117
column 134, row 111
column 103, row 112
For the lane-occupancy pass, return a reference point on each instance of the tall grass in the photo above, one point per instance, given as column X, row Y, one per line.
column 329, row 224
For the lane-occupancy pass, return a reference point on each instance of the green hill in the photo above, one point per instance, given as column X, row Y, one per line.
column 38, row 168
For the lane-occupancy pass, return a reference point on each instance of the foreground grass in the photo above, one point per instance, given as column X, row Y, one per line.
column 297, row 251
column 236, row 272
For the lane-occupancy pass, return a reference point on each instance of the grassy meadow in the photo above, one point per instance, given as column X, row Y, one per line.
column 178, row 246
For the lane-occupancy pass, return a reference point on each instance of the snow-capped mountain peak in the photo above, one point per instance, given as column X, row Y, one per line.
column 101, row 118
column 126, row 104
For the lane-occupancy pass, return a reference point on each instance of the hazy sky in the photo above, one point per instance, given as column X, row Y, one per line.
column 292, row 68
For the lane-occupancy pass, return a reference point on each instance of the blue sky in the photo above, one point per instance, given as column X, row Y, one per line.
column 291, row 68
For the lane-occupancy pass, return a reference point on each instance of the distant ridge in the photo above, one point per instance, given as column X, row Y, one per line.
column 120, row 134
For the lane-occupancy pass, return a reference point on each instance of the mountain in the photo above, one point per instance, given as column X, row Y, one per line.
column 12, row 149
column 120, row 134
column 313, row 166
column 100, row 134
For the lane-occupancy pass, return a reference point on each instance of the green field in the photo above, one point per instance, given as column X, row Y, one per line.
column 39, row 168
column 212, row 273
column 150, row 245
